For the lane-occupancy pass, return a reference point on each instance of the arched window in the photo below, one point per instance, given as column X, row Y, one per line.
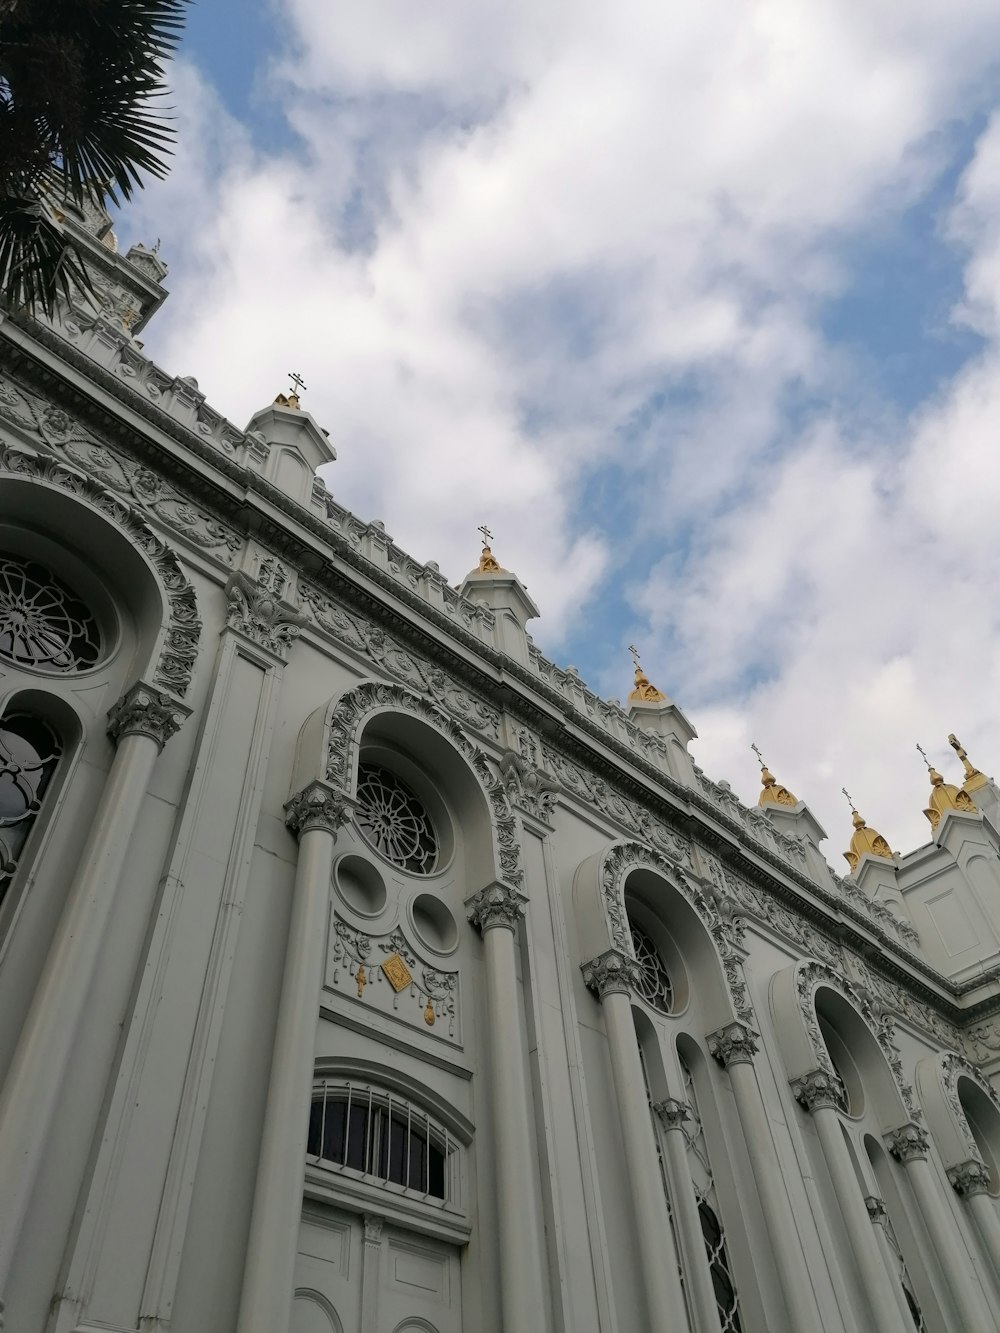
column 653, row 982
column 360, row 1128
column 29, row 755
column 394, row 821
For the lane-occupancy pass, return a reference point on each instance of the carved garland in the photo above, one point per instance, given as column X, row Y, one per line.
column 810, row 974
column 180, row 642
column 345, row 724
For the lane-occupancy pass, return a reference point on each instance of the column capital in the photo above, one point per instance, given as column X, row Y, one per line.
column 145, row 711
column 498, row 905
column 818, row 1090
column 317, row 806
column 672, row 1112
column 733, row 1044
column 610, row 973
column 373, row 1225
column 256, row 611
column 969, row 1178
column 908, row 1143
column 876, row 1210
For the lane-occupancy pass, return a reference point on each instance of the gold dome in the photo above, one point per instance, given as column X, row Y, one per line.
column 946, row 796
column 772, row 792
column 865, row 840
column 643, row 692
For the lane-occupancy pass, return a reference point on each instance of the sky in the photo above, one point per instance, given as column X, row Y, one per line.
column 696, row 306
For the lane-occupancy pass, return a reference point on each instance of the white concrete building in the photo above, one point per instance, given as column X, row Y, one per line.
column 362, row 971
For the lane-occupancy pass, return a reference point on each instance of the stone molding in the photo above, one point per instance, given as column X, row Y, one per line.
column 819, row 1091
column 970, row 1178
column 260, row 616
column 672, row 1113
column 734, row 1044
column 908, row 1143
column 611, row 973
column 145, row 711
column 498, row 905
column 316, row 806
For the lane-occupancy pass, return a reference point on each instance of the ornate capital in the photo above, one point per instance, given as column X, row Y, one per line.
column 876, row 1209
column 611, row 973
column 144, row 711
column 256, row 612
column 496, row 905
column 908, row 1144
column 373, row 1228
column 819, row 1090
column 672, row 1112
column 734, row 1044
column 316, row 806
column 969, row 1178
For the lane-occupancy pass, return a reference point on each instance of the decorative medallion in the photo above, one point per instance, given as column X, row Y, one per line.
column 397, row 973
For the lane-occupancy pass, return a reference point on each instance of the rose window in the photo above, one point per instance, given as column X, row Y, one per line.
column 652, row 981
column 394, row 822
column 42, row 624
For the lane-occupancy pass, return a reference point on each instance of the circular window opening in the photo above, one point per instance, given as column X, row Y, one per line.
column 653, row 982
column 43, row 624
column 434, row 924
column 360, row 885
column 393, row 821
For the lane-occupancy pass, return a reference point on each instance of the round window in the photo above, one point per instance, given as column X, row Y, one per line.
column 43, row 625
column 394, row 822
column 652, row 983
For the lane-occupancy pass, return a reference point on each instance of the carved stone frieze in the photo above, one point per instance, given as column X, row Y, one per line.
column 316, row 806
column 734, row 1044
column 819, row 1090
column 909, row 1143
column 145, row 711
column 255, row 612
column 382, row 969
column 498, row 905
column 611, row 973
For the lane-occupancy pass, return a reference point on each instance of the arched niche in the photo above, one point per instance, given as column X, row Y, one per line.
column 312, row 1312
column 49, row 507
column 627, row 872
column 963, row 1113
column 374, row 713
column 810, row 996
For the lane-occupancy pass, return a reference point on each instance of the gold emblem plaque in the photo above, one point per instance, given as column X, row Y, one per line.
column 396, row 972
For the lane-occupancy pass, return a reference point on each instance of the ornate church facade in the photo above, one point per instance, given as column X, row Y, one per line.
column 361, row 971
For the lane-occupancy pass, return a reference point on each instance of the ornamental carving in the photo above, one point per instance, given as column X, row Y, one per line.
column 382, row 969
column 179, row 648
column 498, row 905
column 60, row 435
column 344, row 729
column 952, row 1068
column 611, row 973
column 144, row 711
column 256, row 613
column 876, row 1209
column 908, row 1144
column 531, row 788
column 734, row 1044
column 316, row 806
column 672, row 1113
column 819, row 1091
column 970, row 1178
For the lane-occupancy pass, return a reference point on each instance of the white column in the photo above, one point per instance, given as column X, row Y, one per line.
column 141, row 723
column 315, row 813
column 672, row 1114
column 612, row 976
column 971, row 1181
column 820, row 1093
column 879, row 1216
column 734, row 1047
column 496, row 910
column 909, row 1145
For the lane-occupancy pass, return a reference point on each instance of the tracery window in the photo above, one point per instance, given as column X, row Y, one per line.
column 43, row 625
column 29, row 755
column 394, row 822
column 653, row 982
column 358, row 1128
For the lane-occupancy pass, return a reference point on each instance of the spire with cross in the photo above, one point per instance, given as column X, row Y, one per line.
column 488, row 563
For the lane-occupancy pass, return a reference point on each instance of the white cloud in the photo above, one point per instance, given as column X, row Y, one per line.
column 506, row 228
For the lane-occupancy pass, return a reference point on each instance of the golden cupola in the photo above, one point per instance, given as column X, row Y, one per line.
column 643, row 691
column 866, row 841
column 772, row 792
column 945, row 796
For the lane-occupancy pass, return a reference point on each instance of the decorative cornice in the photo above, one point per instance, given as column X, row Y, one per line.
column 611, row 973
column 969, row 1178
column 145, row 711
column 734, row 1044
column 498, row 905
column 255, row 612
column 672, row 1113
column 908, row 1143
column 317, row 806
column 819, row 1091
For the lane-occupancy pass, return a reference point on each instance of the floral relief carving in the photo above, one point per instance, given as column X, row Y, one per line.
column 953, row 1067
column 908, row 1144
column 257, row 613
column 611, row 973
column 970, row 1178
column 531, row 788
column 382, row 969
column 143, row 711
column 819, row 1090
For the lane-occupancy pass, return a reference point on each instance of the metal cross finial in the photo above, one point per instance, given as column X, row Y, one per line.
column 635, row 654
column 487, row 535
column 298, row 383
column 924, row 754
column 850, row 799
column 759, row 756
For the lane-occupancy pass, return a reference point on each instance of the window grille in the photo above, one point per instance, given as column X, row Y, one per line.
column 394, row 822
column 726, row 1296
column 42, row 624
column 360, row 1129
column 652, row 983
column 29, row 754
